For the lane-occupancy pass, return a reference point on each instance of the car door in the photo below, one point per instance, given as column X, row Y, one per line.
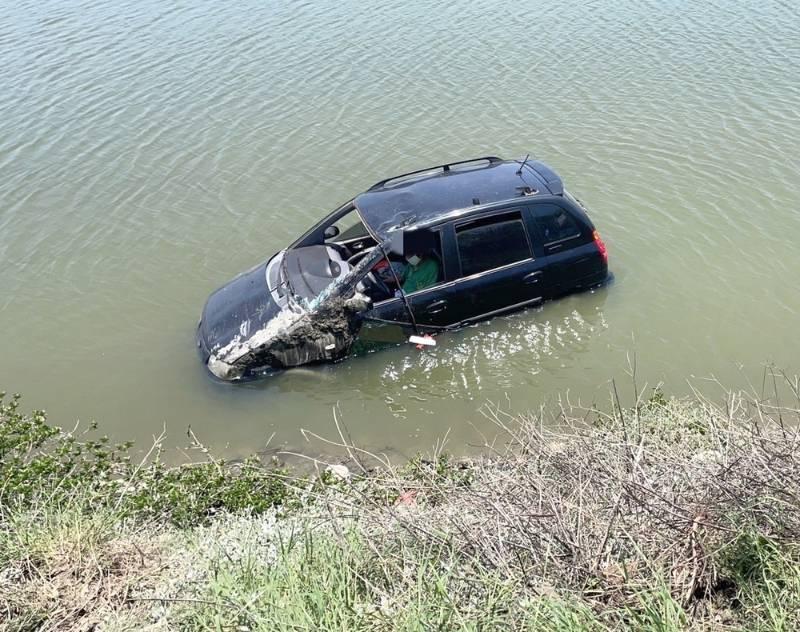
column 567, row 245
column 432, row 305
column 489, row 269
column 497, row 267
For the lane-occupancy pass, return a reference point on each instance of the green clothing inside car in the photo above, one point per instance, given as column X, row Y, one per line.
column 422, row 275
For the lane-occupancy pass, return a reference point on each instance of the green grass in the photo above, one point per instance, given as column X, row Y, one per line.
column 656, row 610
column 42, row 463
column 673, row 515
column 66, row 567
column 320, row 582
column 767, row 580
column 549, row 614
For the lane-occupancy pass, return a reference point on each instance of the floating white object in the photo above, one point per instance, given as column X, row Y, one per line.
column 422, row 340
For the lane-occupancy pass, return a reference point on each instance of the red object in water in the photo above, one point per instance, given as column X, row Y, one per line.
column 600, row 246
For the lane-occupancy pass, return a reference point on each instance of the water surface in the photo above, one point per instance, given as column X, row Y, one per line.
column 150, row 151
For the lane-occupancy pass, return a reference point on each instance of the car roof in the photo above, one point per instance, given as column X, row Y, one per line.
column 423, row 196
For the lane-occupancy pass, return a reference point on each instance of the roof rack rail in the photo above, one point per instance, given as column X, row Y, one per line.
column 380, row 185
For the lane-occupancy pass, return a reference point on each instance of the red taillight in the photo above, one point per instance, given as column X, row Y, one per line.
column 600, row 246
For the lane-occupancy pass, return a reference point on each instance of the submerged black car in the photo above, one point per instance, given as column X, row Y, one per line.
column 426, row 251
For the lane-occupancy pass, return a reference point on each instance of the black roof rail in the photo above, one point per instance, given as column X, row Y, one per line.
column 490, row 159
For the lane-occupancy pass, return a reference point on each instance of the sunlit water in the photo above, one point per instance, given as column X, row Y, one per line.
column 150, row 151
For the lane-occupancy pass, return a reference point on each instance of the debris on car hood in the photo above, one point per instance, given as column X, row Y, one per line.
column 323, row 329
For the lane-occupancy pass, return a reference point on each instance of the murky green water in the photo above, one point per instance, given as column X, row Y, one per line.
column 150, row 151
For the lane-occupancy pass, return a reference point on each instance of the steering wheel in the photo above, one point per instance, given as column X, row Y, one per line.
column 376, row 281
column 371, row 278
column 351, row 260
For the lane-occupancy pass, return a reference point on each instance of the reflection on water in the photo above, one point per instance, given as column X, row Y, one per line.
column 497, row 354
column 150, row 152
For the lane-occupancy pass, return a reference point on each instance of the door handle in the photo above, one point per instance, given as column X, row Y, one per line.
column 436, row 307
column 532, row 278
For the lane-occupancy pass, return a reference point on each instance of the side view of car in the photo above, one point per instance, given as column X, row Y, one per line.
column 427, row 251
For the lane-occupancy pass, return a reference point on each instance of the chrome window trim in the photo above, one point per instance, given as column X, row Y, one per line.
column 562, row 240
column 482, row 210
column 447, row 284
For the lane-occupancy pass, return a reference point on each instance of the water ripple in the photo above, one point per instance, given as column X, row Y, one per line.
column 148, row 152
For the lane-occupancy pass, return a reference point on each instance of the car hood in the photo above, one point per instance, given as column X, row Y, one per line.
column 237, row 309
column 245, row 329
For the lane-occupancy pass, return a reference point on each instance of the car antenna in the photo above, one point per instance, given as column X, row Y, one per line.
column 522, row 164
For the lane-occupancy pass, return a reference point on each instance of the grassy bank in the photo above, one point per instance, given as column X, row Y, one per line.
column 672, row 515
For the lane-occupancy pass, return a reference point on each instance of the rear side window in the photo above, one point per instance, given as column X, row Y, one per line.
column 492, row 242
column 557, row 227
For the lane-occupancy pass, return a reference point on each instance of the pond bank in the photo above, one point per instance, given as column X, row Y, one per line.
column 674, row 514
